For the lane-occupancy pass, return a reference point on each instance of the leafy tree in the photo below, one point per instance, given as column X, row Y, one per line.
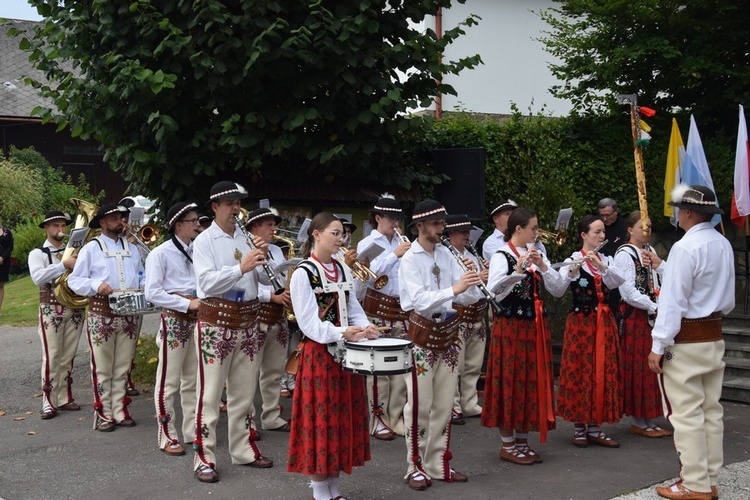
column 693, row 56
column 180, row 92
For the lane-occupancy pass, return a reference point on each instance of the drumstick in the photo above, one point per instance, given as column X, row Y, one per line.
column 383, row 328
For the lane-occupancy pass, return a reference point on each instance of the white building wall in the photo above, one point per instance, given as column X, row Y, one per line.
column 515, row 65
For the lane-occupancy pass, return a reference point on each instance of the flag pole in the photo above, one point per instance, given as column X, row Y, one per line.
column 640, row 175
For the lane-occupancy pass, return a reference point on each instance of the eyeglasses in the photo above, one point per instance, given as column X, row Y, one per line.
column 336, row 233
column 190, row 221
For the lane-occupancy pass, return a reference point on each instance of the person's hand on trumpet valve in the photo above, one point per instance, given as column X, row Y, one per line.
column 350, row 257
column 401, row 249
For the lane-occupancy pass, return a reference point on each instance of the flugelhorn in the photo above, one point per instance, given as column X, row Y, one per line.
column 400, row 236
column 278, row 288
column 362, row 272
column 548, row 237
column 460, row 259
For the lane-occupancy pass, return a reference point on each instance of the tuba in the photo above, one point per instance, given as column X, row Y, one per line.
column 85, row 212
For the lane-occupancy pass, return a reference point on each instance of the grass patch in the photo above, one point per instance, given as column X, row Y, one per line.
column 21, row 304
column 146, row 361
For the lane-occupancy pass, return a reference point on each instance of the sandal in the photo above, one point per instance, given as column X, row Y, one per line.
column 515, row 456
column 526, row 450
column 601, row 439
column 579, row 438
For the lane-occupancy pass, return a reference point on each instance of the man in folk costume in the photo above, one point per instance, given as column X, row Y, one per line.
column 499, row 217
column 170, row 284
column 228, row 339
column 430, row 280
column 472, row 329
column 105, row 265
column 272, row 324
column 59, row 326
column 386, row 393
column 688, row 348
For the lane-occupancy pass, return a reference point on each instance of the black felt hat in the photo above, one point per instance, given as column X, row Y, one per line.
column 502, row 206
column 105, row 210
column 261, row 213
column 457, row 223
column 178, row 210
column 428, row 210
column 388, row 206
column 346, row 223
column 696, row 198
column 54, row 215
column 226, row 190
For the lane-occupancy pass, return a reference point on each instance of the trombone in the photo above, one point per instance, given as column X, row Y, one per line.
column 362, row 272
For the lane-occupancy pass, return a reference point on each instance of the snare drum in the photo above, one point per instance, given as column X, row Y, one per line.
column 131, row 303
column 385, row 356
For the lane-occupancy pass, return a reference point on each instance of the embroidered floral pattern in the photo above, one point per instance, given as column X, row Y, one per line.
column 178, row 332
column 101, row 331
column 253, row 341
column 216, row 343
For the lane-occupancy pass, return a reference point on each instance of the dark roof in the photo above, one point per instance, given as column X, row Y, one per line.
column 16, row 98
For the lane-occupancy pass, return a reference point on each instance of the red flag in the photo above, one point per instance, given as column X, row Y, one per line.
column 737, row 219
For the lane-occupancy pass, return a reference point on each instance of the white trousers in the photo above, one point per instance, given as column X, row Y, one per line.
column 430, row 387
column 272, row 364
column 470, row 359
column 112, row 342
column 387, row 393
column 230, row 356
column 177, row 373
column 691, row 385
column 59, row 332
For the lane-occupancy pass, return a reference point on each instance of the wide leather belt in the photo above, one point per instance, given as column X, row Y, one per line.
column 47, row 295
column 228, row 314
column 695, row 330
column 184, row 316
column 270, row 313
column 431, row 335
column 472, row 313
column 383, row 306
column 99, row 304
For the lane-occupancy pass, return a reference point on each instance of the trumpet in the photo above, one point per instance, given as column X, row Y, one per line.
column 487, row 294
column 278, row 288
column 362, row 272
column 400, row 236
column 548, row 237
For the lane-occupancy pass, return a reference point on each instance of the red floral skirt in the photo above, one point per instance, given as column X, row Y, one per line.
column 329, row 416
column 576, row 395
column 511, row 390
column 641, row 395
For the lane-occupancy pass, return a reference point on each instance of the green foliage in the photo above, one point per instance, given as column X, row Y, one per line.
column 182, row 92
column 675, row 55
column 26, row 237
column 56, row 187
column 146, row 360
column 19, row 191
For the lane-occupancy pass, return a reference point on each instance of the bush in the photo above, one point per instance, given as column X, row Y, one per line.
column 19, row 192
column 26, row 237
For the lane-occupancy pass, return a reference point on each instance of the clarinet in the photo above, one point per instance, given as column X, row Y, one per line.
column 475, row 253
column 278, row 288
column 487, row 294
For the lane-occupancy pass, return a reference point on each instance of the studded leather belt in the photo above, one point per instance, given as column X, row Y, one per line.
column 472, row 313
column 383, row 306
column 270, row 313
column 695, row 330
column 47, row 295
column 431, row 335
column 228, row 314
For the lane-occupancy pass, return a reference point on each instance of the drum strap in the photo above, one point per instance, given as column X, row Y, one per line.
column 118, row 255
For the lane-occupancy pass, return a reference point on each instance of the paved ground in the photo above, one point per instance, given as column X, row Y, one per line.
column 65, row 458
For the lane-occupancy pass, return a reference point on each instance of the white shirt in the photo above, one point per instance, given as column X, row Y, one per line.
column 306, row 311
column 612, row 277
column 492, row 244
column 275, row 257
column 419, row 289
column 217, row 269
column 698, row 282
column 384, row 264
column 40, row 269
column 93, row 268
column 628, row 291
column 501, row 283
column 169, row 272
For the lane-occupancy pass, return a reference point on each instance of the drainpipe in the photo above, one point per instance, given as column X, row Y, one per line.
column 439, row 33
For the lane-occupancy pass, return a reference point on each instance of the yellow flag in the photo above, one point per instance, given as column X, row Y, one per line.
column 675, row 157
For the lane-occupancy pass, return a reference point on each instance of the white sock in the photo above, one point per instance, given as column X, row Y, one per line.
column 508, row 441
column 640, row 422
column 333, row 486
column 594, row 429
column 320, row 490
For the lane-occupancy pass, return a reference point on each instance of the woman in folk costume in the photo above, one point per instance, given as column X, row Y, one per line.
column 518, row 388
column 642, row 269
column 330, row 422
column 590, row 385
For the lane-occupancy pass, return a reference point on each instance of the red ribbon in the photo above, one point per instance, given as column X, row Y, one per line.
column 543, row 363
column 602, row 314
